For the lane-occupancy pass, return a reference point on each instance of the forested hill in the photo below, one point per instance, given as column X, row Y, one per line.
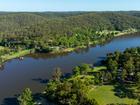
column 133, row 13
column 55, row 23
column 50, row 27
column 69, row 20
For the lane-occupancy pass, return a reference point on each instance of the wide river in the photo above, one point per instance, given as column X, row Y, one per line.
column 34, row 70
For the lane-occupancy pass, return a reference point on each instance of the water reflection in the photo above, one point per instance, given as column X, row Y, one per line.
column 35, row 70
column 1, row 67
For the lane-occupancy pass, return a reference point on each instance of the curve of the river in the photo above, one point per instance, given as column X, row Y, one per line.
column 34, row 70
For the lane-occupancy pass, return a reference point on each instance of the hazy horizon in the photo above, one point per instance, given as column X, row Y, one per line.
column 76, row 11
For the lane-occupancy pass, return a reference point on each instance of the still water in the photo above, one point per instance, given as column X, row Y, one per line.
column 34, row 70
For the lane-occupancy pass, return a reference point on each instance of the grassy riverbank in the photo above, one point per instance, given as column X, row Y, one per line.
column 13, row 55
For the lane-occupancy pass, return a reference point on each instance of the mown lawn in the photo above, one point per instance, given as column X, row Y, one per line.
column 105, row 95
column 97, row 69
column 1, row 47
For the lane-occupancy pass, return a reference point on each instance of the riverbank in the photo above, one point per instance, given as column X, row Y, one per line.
column 94, row 43
column 57, row 49
column 13, row 55
column 66, row 50
column 38, row 67
column 126, row 33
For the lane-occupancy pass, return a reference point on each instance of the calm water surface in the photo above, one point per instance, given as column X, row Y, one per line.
column 34, row 70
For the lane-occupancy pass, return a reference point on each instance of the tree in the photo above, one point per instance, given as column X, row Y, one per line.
column 26, row 97
column 64, row 93
column 76, row 70
column 138, row 80
column 87, row 101
column 123, row 74
column 57, row 74
column 50, row 90
column 112, row 65
column 85, row 68
column 129, row 66
column 108, row 77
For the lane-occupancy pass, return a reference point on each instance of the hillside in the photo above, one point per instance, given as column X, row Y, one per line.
column 62, row 23
column 65, row 29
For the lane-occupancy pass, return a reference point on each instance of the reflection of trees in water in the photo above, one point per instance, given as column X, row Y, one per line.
column 47, row 56
column 10, row 101
column 52, row 56
column 82, row 50
column 37, row 97
column 1, row 67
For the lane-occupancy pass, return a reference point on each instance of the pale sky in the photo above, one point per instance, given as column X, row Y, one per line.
column 69, row 5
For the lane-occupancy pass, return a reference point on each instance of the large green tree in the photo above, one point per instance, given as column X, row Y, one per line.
column 26, row 97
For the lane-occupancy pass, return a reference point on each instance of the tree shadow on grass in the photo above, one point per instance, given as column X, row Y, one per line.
column 124, row 91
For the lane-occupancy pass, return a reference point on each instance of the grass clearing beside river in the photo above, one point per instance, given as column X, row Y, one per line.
column 105, row 95
column 13, row 55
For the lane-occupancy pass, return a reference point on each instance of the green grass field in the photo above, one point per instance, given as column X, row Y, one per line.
column 97, row 69
column 105, row 95
column 1, row 47
column 15, row 55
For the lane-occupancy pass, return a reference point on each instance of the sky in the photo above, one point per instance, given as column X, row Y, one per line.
column 69, row 5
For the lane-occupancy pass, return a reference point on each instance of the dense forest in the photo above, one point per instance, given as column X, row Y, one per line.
column 66, row 29
column 116, row 82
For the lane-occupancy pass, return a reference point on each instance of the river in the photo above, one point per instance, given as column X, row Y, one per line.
column 34, row 71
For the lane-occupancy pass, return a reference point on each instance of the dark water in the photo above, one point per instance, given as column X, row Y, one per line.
column 34, row 70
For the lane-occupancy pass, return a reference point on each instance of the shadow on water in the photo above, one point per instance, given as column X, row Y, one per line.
column 48, row 55
column 101, row 58
column 38, row 97
column 45, row 81
column 10, row 101
column 40, row 80
column 1, row 67
column 66, row 75
column 82, row 50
